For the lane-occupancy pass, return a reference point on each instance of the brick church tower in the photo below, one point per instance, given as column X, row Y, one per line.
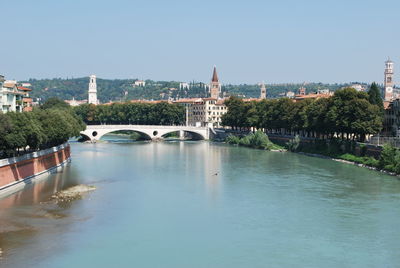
column 215, row 86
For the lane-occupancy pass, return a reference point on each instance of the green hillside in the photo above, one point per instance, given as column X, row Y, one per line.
column 124, row 89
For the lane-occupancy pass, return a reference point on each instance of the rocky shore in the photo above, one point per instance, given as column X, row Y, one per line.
column 72, row 193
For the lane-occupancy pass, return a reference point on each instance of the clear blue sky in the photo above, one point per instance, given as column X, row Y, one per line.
column 248, row 41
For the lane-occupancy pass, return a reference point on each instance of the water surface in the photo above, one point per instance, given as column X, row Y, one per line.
column 198, row 204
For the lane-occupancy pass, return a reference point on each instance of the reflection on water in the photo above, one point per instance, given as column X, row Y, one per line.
column 30, row 211
column 199, row 204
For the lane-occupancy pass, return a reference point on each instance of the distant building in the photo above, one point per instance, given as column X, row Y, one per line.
column 391, row 124
column 215, row 85
column 358, row 87
column 27, row 101
column 290, row 94
column 74, row 102
column 313, row 96
column 204, row 111
column 140, row 83
column 26, row 84
column 324, row 92
column 263, row 91
column 1, row 91
column 92, row 92
column 302, row 91
column 388, row 83
column 11, row 96
column 183, row 85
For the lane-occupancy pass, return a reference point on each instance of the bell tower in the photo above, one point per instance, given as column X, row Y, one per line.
column 92, row 90
column 263, row 91
column 215, row 86
column 388, row 84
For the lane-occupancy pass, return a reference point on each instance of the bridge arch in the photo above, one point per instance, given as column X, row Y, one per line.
column 84, row 137
column 95, row 132
column 145, row 135
column 195, row 135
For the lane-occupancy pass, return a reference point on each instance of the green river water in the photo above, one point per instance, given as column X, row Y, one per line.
column 200, row 204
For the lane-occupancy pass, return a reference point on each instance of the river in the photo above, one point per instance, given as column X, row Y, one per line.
column 201, row 204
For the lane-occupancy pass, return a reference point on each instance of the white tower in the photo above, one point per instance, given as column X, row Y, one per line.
column 263, row 93
column 92, row 90
column 388, row 94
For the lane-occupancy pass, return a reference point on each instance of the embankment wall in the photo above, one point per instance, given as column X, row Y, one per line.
column 15, row 172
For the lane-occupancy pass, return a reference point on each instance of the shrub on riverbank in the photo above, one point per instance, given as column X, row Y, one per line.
column 365, row 160
column 293, row 144
column 390, row 159
column 258, row 140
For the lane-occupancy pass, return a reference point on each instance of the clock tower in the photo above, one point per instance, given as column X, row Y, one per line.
column 388, row 84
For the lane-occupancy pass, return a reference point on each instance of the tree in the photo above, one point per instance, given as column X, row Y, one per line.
column 234, row 116
column 55, row 102
column 374, row 96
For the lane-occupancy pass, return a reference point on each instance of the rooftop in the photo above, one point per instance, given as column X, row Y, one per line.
column 215, row 76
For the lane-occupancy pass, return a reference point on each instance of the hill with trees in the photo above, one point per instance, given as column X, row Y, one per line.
column 124, row 89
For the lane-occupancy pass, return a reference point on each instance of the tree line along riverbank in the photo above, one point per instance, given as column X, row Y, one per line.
column 348, row 114
column 46, row 126
column 161, row 113
column 335, row 127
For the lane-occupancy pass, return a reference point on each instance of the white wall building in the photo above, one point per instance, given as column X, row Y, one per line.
column 140, row 83
column 11, row 97
column 184, row 85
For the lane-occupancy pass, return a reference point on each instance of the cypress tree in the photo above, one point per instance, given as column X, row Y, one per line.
column 374, row 96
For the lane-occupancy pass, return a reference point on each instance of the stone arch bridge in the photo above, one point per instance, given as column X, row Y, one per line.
column 95, row 132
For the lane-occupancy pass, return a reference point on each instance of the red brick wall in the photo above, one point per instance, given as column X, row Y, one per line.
column 21, row 170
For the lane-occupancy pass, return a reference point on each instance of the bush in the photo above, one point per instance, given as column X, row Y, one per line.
column 258, row 140
column 366, row 160
column 231, row 139
column 293, row 144
column 387, row 159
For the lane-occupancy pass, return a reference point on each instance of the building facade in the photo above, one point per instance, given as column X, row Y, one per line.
column 391, row 124
column 203, row 112
column 1, row 91
column 12, row 99
column 27, row 101
column 139, row 83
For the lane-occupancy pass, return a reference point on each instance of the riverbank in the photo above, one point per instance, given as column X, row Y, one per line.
column 384, row 160
column 358, row 164
column 17, row 172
